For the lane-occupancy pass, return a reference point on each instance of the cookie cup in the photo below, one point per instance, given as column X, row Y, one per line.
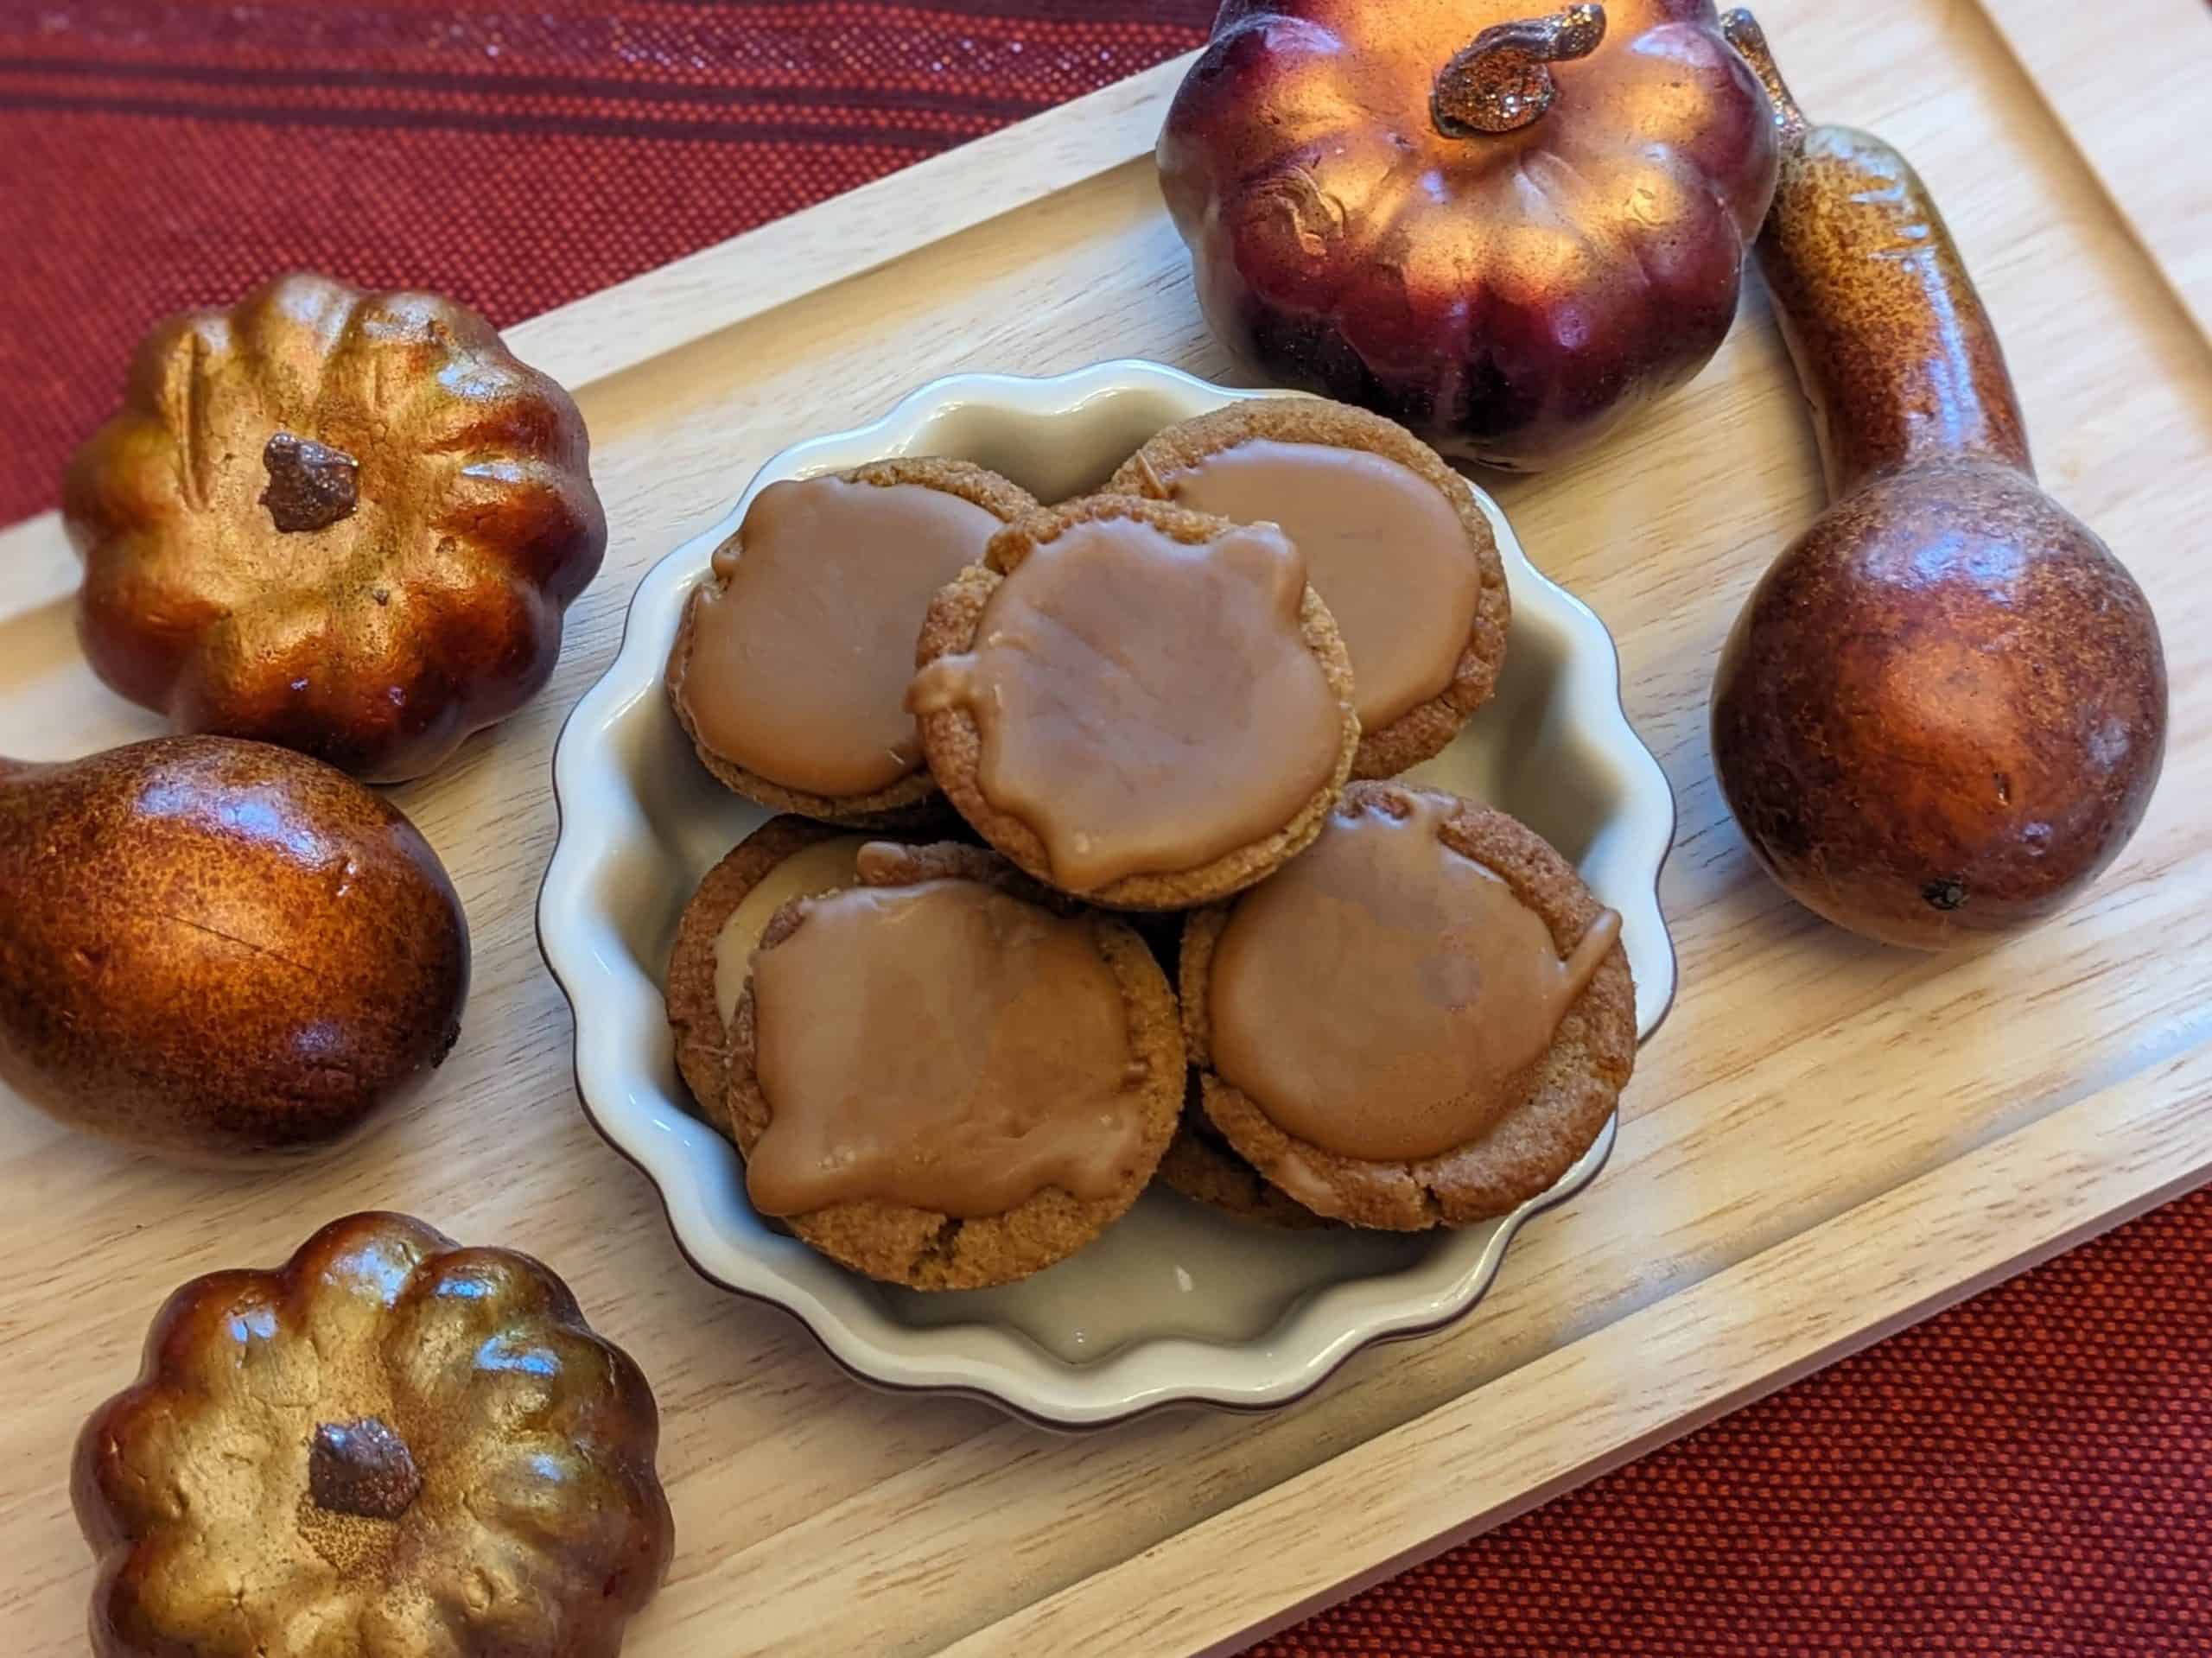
column 1572, row 1092
column 913, row 801
column 1426, row 729
column 897, row 1243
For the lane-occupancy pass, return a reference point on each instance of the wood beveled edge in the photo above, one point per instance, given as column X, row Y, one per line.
column 2077, row 89
column 619, row 327
column 850, row 234
column 37, row 566
column 1659, row 1373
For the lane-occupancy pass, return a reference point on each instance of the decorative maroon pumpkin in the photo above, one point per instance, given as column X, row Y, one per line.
column 1506, row 232
column 346, row 522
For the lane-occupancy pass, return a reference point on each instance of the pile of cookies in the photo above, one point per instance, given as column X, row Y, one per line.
column 1090, row 870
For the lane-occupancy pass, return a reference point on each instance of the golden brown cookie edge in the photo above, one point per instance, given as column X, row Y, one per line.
column 1198, row 1167
column 694, row 1014
column 1200, row 1164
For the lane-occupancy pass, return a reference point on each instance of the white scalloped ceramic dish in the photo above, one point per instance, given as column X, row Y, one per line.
column 1175, row 1303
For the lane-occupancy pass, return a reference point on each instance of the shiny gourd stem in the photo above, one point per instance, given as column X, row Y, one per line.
column 1892, row 344
column 1744, row 33
column 1502, row 81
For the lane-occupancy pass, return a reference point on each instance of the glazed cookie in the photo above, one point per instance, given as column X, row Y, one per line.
column 1145, row 706
column 1423, row 1021
column 783, row 859
column 944, row 1076
column 1394, row 543
column 792, row 658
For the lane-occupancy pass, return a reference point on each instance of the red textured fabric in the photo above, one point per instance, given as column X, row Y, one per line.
column 160, row 156
column 2029, row 1475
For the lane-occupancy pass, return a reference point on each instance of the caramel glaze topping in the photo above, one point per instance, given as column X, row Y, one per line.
column 1146, row 705
column 803, row 644
column 1386, row 997
column 941, row 1044
column 1383, row 549
column 818, row 869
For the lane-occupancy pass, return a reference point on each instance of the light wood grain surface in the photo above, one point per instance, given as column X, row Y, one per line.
column 1825, row 1138
column 1634, row 1384
column 2128, row 81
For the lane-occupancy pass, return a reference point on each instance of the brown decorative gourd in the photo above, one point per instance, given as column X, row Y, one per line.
column 1505, row 230
column 219, row 951
column 1942, row 711
column 390, row 1445
column 346, row 522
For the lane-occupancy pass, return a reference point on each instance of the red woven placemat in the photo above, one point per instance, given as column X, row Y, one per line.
column 2027, row 1476
column 2030, row 1475
column 163, row 155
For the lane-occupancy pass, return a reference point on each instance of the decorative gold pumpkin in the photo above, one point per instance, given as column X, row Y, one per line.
column 390, row 1445
column 346, row 522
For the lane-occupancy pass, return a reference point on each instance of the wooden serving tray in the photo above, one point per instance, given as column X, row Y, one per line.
column 1827, row 1140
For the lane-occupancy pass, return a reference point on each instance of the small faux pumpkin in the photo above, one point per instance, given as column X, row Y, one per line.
column 389, row 1445
column 1504, row 230
column 343, row 522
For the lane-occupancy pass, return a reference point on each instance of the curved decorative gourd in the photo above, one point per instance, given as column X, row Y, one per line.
column 1943, row 710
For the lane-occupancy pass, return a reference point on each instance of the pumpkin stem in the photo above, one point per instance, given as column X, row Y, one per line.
column 1744, row 33
column 362, row 1468
column 311, row 486
column 1502, row 83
